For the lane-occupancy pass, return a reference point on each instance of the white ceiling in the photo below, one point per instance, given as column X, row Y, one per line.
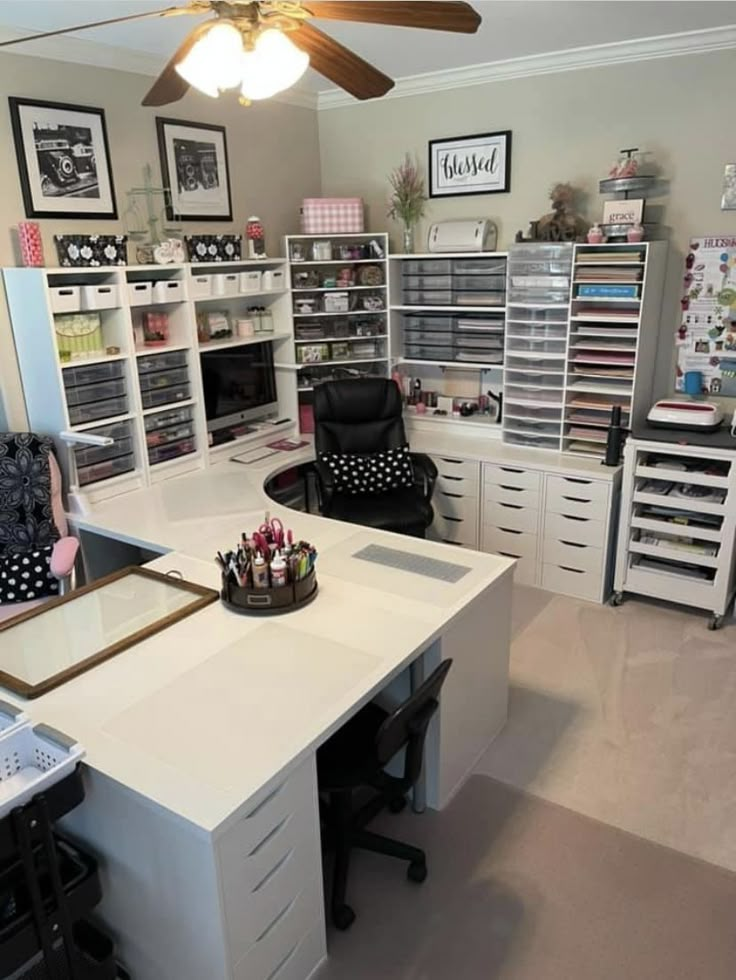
column 510, row 29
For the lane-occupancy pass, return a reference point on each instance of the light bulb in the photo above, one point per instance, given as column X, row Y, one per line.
column 215, row 61
column 273, row 65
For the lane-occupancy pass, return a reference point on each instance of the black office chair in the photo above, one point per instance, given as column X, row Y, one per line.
column 355, row 758
column 359, row 427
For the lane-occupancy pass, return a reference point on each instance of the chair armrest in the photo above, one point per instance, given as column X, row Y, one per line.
column 425, row 474
column 63, row 557
column 325, row 486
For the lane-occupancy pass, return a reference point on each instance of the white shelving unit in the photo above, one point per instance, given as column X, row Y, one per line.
column 124, row 382
column 678, row 526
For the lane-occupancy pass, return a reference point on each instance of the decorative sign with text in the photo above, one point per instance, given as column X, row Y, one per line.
column 470, row 165
column 623, row 212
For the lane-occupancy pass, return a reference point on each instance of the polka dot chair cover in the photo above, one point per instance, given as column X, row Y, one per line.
column 27, row 528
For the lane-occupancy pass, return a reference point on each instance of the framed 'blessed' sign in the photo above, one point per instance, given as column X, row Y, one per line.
column 466, row 165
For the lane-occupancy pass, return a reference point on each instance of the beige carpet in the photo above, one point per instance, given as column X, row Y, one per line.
column 522, row 889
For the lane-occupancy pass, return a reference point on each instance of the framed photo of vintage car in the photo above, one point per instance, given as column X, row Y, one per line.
column 63, row 160
column 195, row 169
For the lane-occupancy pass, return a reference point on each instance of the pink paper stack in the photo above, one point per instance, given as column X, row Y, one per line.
column 31, row 246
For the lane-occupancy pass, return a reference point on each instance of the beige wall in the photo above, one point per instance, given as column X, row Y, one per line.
column 566, row 126
column 273, row 152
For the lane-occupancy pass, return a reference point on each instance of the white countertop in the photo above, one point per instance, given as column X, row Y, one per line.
column 201, row 716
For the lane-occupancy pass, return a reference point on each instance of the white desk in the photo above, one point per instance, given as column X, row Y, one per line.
column 201, row 740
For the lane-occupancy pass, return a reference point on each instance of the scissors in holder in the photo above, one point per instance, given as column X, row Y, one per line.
column 273, row 532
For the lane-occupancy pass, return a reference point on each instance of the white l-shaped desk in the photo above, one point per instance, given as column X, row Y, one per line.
column 201, row 785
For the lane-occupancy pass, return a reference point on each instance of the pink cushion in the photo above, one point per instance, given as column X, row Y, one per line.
column 63, row 557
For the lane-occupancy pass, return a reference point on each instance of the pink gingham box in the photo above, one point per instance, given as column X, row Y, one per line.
column 332, row 215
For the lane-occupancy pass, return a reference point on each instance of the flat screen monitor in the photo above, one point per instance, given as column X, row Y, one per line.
column 239, row 384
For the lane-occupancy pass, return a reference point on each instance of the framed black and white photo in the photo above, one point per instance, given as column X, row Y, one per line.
column 63, row 160
column 465, row 165
column 194, row 167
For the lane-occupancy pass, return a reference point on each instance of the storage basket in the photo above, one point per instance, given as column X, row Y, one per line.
column 11, row 718
column 65, row 299
column 103, row 296
column 270, row 601
column 78, row 335
column 332, row 215
column 31, row 759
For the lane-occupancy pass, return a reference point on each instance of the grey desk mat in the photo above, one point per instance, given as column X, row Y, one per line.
column 408, row 561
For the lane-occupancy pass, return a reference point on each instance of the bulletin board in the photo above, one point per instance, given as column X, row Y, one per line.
column 706, row 338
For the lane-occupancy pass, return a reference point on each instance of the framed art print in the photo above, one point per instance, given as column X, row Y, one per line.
column 63, row 160
column 194, row 167
column 465, row 165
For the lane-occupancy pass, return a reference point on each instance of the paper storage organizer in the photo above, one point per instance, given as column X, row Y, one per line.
column 103, row 296
column 140, row 293
column 65, row 299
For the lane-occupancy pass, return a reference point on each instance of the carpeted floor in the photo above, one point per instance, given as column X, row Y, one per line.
column 523, row 889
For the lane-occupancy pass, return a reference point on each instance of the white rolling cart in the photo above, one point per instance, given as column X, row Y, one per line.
column 678, row 526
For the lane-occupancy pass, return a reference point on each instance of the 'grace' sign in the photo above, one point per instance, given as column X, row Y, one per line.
column 470, row 165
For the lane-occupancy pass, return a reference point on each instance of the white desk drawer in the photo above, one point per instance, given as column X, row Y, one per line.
column 574, row 582
column 455, row 505
column 506, row 475
column 453, row 466
column 580, row 530
column 577, row 496
column 456, row 484
column 582, row 557
column 455, row 530
column 505, row 541
column 511, row 495
column 513, row 516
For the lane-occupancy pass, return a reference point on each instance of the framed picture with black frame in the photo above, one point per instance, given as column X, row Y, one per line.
column 461, row 166
column 194, row 166
column 63, row 159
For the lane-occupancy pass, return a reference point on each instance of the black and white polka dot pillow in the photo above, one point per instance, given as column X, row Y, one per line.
column 370, row 473
column 27, row 576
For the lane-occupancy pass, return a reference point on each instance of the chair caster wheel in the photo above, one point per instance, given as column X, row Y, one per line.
column 617, row 599
column 715, row 622
column 343, row 917
column 397, row 804
column 417, row 872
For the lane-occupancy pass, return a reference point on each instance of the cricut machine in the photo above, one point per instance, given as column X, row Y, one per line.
column 471, row 235
column 690, row 416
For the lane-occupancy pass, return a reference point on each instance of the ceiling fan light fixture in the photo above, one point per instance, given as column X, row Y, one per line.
column 215, row 61
column 274, row 64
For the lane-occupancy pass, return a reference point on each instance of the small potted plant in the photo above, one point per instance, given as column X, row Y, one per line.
column 407, row 198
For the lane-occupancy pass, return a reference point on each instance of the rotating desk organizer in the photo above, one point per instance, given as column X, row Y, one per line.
column 47, row 884
column 268, row 573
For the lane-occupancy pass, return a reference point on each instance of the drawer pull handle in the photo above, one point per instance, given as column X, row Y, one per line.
column 507, row 554
column 515, row 489
column 573, row 544
column 274, row 973
column 274, row 870
column 571, row 517
column 284, row 911
column 457, row 544
column 455, row 462
column 573, row 479
column 577, row 500
column 566, row 568
column 455, row 479
column 510, row 506
column 270, row 835
column 453, row 496
column 510, row 469
column 455, row 520
column 265, row 801
column 509, row 530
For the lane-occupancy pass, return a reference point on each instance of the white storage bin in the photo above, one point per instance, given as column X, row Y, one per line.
column 140, row 293
column 201, row 287
column 11, row 718
column 101, row 297
column 226, row 284
column 274, row 279
column 168, row 291
column 251, row 281
column 65, row 299
column 32, row 759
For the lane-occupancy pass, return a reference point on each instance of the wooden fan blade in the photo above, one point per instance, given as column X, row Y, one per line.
column 340, row 64
column 166, row 12
column 433, row 16
column 170, row 86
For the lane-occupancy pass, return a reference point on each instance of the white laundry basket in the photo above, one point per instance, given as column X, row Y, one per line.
column 32, row 758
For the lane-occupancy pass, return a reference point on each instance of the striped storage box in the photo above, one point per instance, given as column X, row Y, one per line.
column 332, row 215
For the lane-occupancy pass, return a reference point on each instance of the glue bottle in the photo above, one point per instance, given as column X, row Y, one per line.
column 260, row 572
column 278, row 571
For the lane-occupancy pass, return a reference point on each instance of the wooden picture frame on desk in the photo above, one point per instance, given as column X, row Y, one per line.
column 202, row 597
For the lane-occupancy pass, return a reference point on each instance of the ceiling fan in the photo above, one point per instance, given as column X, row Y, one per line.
column 264, row 46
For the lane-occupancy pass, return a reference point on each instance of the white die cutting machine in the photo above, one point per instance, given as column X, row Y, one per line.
column 687, row 415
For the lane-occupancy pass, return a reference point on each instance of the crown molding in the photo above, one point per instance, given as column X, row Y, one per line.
column 82, row 52
column 593, row 56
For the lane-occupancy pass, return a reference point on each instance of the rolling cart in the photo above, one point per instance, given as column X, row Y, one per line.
column 48, row 885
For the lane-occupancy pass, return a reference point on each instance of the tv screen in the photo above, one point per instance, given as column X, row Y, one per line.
column 239, row 384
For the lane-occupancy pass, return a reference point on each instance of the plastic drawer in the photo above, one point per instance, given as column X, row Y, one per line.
column 479, row 355
column 533, row 378
column 429, row 297
column 534, row 267
column 163, row 379
column 162, row 362
column 171, row 450
column 83, row 394
column 537, row 345
column 172, row 433
column 533, row 393
column 106, row 470
column 92, row 374
column 541, row 252
column 536, row 316
column 543, row 331
column 427, row 267
column 165, row 396
column 479, row 267
column 536, row 413
column 93, row 411
column 535, row 440
column 537, row 281
column 538, row 427
column 424, row 352
column 427, row 337
column 98, row 454
column 479, row 298
column 484, row 283
column 493, row 341
column 539, row 295
column 164, row 420
column 426, row 282
column 445, row 323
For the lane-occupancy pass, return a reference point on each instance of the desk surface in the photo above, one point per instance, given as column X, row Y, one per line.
column 202, row 716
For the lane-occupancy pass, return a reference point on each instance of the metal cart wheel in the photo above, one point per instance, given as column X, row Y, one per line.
column 617, row 599
column 715, row 622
